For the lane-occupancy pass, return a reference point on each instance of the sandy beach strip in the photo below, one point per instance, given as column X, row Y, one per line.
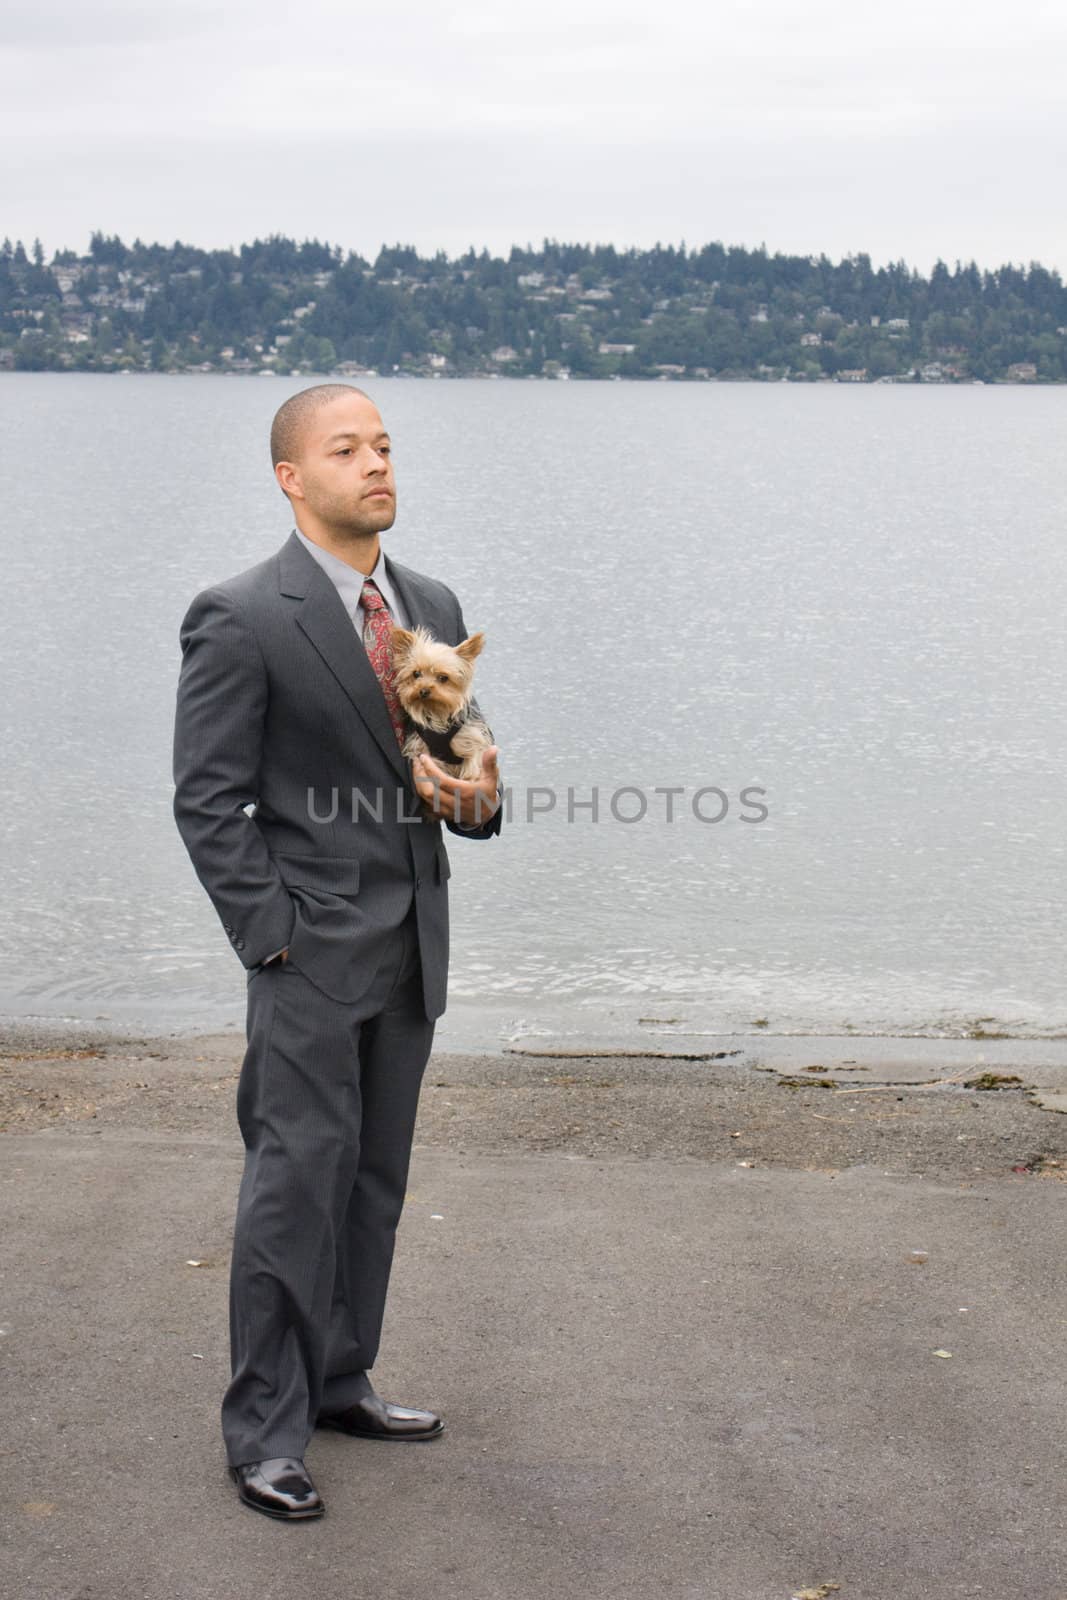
column 909, row 1106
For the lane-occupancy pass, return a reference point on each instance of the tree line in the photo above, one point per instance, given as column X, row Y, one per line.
column 563, row 310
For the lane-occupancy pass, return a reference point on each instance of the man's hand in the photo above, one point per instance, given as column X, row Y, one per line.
column 463, row 800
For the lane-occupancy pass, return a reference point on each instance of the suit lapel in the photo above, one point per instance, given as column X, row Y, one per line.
column 421, row 610
column 323, row 618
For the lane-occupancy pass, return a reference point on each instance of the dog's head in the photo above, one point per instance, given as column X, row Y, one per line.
column 433, row 680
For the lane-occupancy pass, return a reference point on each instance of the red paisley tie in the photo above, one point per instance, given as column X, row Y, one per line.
column 376, row 632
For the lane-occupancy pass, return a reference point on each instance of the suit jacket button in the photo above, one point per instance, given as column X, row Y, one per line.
column 418, row 883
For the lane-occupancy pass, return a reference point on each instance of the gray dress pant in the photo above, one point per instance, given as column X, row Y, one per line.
column 326, row 1106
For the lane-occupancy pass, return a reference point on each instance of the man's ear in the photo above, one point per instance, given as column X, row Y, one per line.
column 472, row 647
column 288, row 478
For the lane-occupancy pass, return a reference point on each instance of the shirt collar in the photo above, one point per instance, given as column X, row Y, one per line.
column 347, row 580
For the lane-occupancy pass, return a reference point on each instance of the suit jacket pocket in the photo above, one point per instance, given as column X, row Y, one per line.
column 337, row 875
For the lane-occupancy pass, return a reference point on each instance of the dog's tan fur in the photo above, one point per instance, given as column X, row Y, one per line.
column 433, row 684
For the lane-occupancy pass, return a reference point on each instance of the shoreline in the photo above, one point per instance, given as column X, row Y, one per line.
column 886, row 381
column 978, row 1107
column 108, row 1028
column 42, row 1033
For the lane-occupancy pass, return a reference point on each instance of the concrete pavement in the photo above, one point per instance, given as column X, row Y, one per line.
column 661, row 1375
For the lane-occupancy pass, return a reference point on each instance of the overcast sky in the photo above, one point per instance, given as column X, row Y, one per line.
column 915, row 130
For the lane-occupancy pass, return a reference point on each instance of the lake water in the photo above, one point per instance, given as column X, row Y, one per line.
column 851, row 598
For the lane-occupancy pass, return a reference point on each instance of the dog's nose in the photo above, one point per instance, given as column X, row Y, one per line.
column 424, row 694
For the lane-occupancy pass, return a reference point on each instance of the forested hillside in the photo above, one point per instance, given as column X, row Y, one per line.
column 580, row 311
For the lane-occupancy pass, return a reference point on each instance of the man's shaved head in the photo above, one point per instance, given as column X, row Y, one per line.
column 290, row 422
column 333, row 461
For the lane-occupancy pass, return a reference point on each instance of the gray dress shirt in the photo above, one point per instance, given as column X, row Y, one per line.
column 349, row 584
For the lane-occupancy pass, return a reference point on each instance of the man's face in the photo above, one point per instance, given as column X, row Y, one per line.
column 344, row 474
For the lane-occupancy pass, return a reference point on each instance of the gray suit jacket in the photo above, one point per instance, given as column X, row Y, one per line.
column 292, row 797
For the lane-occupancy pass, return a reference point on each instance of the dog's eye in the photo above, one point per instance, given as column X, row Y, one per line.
column 417, row 673
column 442, row 677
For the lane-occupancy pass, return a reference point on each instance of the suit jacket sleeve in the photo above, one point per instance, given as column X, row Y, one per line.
column 218, row 732
column 484, row 830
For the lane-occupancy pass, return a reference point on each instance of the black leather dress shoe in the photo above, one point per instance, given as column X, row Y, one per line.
column 279, row 1487
column 375, row 1418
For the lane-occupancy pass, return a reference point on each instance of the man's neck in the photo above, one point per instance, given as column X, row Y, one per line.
column 357, row 550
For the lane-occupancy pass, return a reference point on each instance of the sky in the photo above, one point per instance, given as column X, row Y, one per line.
column 916, row 131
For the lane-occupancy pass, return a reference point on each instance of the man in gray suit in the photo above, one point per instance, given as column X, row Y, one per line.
column 322, row 852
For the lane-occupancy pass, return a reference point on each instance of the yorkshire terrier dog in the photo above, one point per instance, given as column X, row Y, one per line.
column 433, row 685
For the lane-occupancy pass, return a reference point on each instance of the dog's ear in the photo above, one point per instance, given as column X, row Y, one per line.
column 402, row 640
column 472, row 647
